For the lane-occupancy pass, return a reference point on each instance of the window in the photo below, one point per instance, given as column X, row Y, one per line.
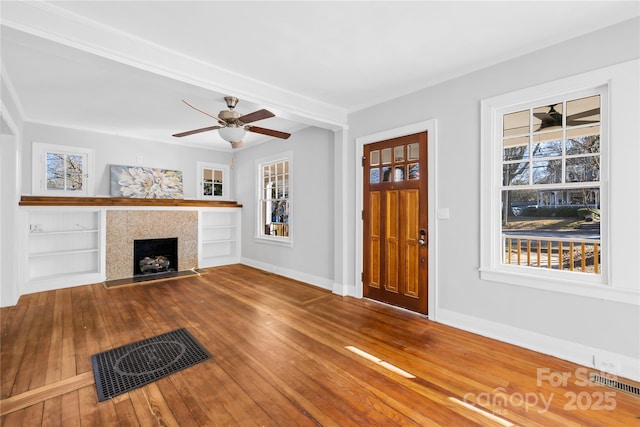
column 213, row 181
column 544, row 182
column 61, row 170
column 551, row 185
column 274, row 199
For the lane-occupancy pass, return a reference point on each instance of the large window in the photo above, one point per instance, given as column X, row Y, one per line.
column 61, row 170
column 547, row 200
column 550, row 188
column 274, row 199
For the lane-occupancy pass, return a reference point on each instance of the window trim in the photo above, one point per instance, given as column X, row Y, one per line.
column 259, row 234
column 226, row 194
column 39, row 173
column 491, row 268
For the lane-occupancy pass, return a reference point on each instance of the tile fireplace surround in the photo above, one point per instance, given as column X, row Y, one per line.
column 123, row 227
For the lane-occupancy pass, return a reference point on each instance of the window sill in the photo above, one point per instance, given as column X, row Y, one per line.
column 585, row 286
column 277, row 241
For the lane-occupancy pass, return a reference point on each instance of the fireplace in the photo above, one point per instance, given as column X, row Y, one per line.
column 155, row 257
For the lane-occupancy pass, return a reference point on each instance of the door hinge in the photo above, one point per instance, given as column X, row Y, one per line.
column 363, row 158
column 362, row 276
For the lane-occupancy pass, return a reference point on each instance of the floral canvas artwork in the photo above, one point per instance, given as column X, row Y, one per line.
column 145, row 183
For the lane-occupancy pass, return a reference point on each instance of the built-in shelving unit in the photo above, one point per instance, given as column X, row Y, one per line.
column 218, row 237
column 64, row 239
column 63, row 244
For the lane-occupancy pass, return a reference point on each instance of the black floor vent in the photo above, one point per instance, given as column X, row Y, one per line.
column 618, row 385
column 125, row 368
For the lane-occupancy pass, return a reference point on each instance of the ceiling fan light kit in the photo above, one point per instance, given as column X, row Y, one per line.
column 232, row 134
column 232, row 125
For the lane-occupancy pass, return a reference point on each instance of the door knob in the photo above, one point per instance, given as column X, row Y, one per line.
column 422, row 239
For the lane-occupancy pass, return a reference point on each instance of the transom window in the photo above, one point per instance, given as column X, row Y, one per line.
column 274, row 200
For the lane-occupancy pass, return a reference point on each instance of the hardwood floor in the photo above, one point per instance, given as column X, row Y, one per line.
column 284, row 353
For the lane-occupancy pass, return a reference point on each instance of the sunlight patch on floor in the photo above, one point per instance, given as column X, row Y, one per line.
column 380, row 362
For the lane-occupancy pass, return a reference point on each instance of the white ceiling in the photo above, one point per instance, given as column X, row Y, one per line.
column 122, row 67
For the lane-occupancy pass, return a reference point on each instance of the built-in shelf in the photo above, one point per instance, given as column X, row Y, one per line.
column 219, row 242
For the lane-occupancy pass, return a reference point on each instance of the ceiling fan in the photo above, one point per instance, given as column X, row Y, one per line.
column 232, row 125
column 552, row 118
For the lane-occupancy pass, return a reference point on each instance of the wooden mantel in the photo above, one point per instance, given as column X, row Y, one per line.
column 123, row 201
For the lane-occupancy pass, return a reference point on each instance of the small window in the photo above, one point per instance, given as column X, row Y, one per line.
column 213, row 181
column 274, row 199
column 62, row 170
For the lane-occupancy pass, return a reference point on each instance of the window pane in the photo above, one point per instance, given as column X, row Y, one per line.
column 515, row 123
column 583, row 111
column 74, row 173
column 515, row 148
column 547, row 172
column 547, row 144
column 583, row 169
column 55, row 171
column 583, row 140
column 547, row 117
column 515, row 174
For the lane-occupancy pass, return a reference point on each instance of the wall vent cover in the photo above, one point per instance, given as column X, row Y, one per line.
column 618, row 385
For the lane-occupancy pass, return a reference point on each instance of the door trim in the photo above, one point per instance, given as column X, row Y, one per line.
column 429, row 126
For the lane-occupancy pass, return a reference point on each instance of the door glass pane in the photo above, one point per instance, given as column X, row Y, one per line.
column 386, row 174
column 374, row 158
column 374, row 176
column 398, row 153
column 413, row 171
column 386, row 156
column 413, row 152
column 399, row 173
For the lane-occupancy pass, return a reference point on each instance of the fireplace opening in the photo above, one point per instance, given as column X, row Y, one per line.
column 155, row 257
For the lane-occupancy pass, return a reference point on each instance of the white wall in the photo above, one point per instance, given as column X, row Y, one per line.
column 569, row 326
column 9, row 195
column 118, row 150
column 312, row 220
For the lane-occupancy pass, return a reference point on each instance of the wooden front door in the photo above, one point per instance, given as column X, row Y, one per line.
column 395, row 222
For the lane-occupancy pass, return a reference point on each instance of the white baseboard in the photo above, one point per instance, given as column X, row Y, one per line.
column 587, row 356
column 320, row 282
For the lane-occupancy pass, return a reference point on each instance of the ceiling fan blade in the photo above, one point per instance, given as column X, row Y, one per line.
column 270, row 132
column 191, row 132
column 588, row 113
column 543, row 116
column 256, row 115
column 222, row 122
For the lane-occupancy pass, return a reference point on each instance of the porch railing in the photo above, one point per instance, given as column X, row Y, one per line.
column 560, row 253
